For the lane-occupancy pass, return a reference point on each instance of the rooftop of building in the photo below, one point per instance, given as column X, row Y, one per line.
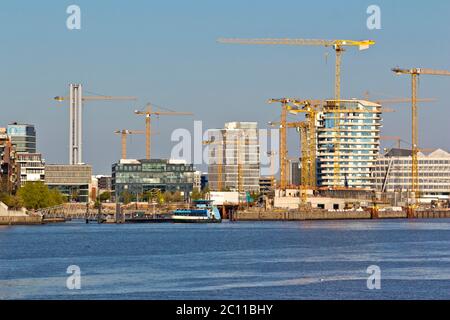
column 397, row 152
column 361, row 101
column 140, row 161
column 68, row 166
column 20, row 124
column 241, row 125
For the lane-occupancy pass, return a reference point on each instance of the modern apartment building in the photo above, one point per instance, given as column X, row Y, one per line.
column 23, row 136
column 348, row 142
column 234, row 157
column 32, row 167
column 392, row 173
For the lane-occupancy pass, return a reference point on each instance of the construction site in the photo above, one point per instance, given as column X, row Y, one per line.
column 343, row 174
column 339, row 171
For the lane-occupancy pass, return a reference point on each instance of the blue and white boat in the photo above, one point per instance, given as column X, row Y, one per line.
column 203, row 211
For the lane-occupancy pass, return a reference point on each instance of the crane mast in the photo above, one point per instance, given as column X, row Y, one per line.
column 415, row 72
column 124, row 133
column 148, row 113
column 76, row 99
column 339, row 47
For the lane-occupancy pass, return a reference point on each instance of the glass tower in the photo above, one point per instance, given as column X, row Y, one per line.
column 23, row 136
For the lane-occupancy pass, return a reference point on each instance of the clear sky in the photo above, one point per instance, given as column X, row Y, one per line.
column 165, row 52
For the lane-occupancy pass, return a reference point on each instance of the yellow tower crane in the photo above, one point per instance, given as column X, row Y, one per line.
column 310, row 108
column 283, row 152
column 148, row 113
column 124, row 133
column 339, row 48
column 308, row 168
column 308, row 174
column 415, row 72
column 337, row 45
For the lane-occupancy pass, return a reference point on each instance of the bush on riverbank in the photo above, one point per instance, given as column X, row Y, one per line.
column 13, row 202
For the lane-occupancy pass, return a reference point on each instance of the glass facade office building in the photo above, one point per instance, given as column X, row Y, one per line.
column 140, row 176
column 23, row 136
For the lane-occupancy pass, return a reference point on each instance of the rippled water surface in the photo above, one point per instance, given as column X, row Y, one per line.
column 245, row 260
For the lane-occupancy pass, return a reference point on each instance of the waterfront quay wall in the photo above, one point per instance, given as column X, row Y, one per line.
column 10, row 217
column 294, row 215
column 20, row 220
column 299, row 215
column 432, row 214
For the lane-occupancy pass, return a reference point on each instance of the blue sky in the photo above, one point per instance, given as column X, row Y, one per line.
column 165, row 52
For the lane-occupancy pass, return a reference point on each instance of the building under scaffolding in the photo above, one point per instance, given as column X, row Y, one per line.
column 234, row 157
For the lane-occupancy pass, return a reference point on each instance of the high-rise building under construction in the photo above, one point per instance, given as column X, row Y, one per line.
column 348, row 142
column 234, row 163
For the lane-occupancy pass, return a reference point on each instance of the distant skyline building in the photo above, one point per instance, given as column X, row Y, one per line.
column 237, row 143
column 355, row 133
column 23, row 136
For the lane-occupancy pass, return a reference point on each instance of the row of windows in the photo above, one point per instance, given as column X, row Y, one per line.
column 421, row 187
column 408, row 174
column 402, row 170
column 34, row 171
column 154, row 168
column 431, row 182
column 421, row 161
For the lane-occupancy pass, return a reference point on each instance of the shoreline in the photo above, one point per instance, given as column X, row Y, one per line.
column 265, row 216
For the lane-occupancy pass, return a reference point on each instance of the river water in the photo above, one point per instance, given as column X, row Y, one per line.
column 231, row 260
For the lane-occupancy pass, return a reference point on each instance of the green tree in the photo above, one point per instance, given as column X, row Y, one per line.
column 105, row 196
column 36, row 195
column 56, row 197
column 97, row 204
